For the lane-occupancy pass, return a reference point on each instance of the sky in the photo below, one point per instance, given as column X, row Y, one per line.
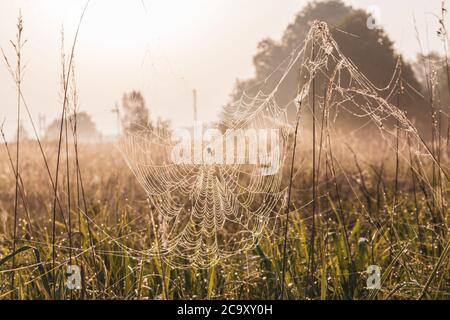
column 165, row 49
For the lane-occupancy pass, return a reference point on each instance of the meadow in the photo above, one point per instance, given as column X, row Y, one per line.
column 369, row 213
column 355, row 200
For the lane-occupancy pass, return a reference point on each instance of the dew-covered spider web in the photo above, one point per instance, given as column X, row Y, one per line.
column 216, row 196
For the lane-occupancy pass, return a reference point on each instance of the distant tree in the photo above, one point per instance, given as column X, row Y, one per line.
column 135, row 114
column 272, row 53
column 371, row 51
column 86, row 129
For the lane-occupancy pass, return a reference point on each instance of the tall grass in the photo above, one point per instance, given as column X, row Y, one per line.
column 344, row 230
column 16, row 73
column 359, row 207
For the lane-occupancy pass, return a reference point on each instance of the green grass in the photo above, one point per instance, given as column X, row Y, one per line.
column 411, row 249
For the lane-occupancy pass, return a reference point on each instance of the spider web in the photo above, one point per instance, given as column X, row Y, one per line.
column 209, row 211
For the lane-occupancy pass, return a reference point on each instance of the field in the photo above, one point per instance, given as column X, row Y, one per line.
column 359, row 223
column 361, row 209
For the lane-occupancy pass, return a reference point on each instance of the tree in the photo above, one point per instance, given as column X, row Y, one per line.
column 86, row 129
column 272, row 53
column 136, row 115
column 371, row 51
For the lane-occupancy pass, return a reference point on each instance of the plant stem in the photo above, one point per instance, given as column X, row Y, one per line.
column 288, row 206
column 18, row 74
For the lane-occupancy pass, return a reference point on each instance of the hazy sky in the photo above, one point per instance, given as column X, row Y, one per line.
column 165, row 49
